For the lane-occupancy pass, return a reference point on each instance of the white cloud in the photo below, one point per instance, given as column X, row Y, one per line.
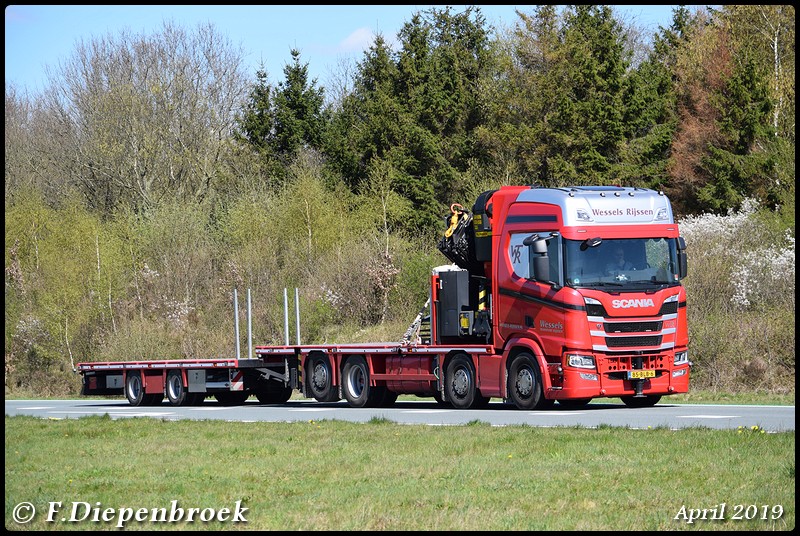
column 357, row 41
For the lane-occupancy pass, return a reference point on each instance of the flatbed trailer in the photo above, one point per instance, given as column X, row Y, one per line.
column 366, row 375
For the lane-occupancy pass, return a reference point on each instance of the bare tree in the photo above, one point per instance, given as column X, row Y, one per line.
column 143, row 118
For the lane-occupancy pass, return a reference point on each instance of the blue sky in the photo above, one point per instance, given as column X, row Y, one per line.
column 41, row 36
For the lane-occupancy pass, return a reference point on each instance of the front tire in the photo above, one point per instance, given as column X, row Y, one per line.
column 525, row 383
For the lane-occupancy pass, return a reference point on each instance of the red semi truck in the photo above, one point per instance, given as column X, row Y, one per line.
column 553, row 294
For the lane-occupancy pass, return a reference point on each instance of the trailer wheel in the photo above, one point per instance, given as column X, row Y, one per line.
column 460, row 384
column 641, row 402
column 525, row 383
column 176, row 391
column 273, row 395
column 355, row 384
column 134, row 390
column 320, row 378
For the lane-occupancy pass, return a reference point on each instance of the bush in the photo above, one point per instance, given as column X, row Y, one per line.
column 740, row 301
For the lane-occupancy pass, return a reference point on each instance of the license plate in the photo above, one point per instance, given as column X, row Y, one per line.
column 638, row 374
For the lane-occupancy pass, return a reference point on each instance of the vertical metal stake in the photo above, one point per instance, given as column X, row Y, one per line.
column 236, row 320
column 297, row 313
column 286, row 314
column 249, row 327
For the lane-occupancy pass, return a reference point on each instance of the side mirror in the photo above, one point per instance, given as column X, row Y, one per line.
column 682, row 262
column 541, row 262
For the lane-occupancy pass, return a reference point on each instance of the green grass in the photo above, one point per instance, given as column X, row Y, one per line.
column 332, row 475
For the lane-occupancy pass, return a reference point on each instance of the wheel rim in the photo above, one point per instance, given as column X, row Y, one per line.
column 174, row 387
column 134, row 387
column 319, row 377
column 524, row 382
column 356, row 381
column 461, row 382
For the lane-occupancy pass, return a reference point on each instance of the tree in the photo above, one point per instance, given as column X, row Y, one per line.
column 767, row 34
column 737, row 167
column 299, row 117
column 143, row 118
column 589, row 111
column 650, row 112
column 417, row 110
column 257, row 121
column 726, row 147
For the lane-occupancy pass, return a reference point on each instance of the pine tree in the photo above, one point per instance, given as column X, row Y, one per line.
column 300, row 118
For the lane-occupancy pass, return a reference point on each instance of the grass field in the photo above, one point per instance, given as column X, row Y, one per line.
column 332, row 475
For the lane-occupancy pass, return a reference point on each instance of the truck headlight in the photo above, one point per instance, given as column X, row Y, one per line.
column 580, row 361
column 681, row 358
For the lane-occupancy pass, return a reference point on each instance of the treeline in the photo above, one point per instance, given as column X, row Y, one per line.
column 153, row 175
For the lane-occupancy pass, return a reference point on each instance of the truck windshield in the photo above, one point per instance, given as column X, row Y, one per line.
column 630, row 262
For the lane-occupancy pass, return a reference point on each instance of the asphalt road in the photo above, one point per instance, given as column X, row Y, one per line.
column 664, row 414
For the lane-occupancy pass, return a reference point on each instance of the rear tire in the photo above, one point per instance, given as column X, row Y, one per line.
column 355, row 384
column 320, row 378
column 134, row 390
column 176, row 391
column 460, row 382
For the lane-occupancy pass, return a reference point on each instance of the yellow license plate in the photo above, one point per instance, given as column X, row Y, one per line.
column 638, row 374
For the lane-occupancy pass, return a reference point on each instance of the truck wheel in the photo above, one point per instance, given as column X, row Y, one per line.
column 176, row 392
column 273, row 395
column 460, row 385
column 525, row 383
column 232, row 398
column 641, row 402
column 320, row 379
column 355, row 384
column 134, row 390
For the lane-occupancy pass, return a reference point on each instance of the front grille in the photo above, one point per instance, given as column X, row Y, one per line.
column 627, row 342
column 632, row 327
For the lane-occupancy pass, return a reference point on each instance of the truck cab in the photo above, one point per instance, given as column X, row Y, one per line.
column 585, row 284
